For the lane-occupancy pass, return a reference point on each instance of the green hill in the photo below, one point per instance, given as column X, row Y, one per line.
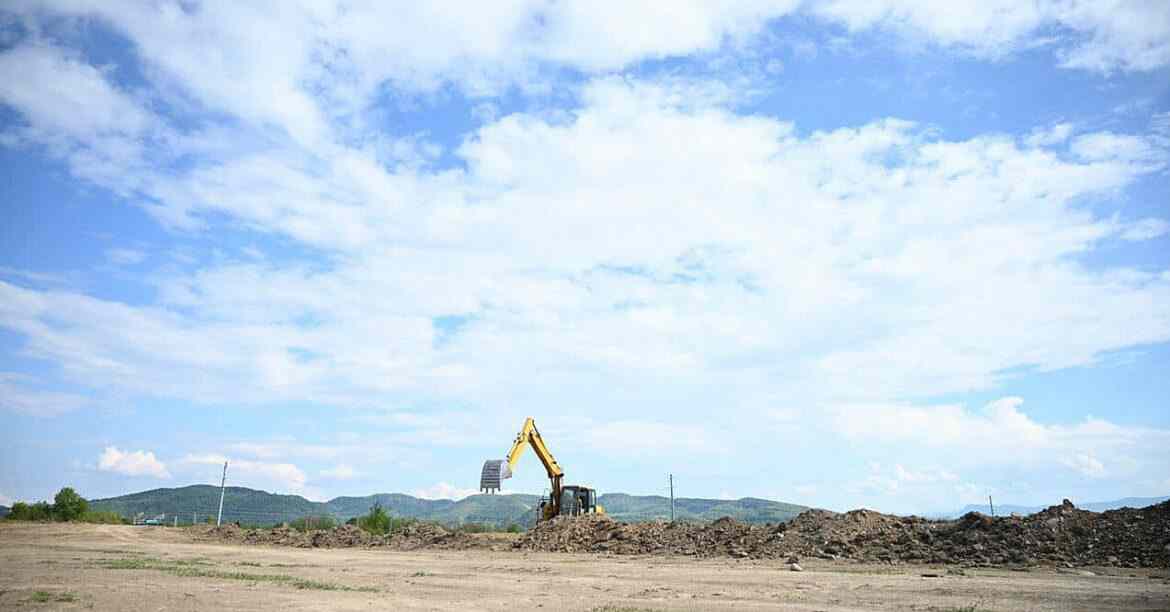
column 249, row 506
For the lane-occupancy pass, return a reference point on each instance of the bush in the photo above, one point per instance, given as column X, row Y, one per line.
column 514, row 528
column 379, row 521
column 314, row 523
column 105, row 517
column 40, row 511
column 68, row 505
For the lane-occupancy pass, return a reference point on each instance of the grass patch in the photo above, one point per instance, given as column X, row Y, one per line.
column 249, row 564
column 421, row 574
column 620, row 609
column 131, row 564
column 198, row 568
column 47, row 597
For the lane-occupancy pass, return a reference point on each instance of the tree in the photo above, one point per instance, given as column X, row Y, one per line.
column 68, row 505
column 377, row 521
column 20, row 512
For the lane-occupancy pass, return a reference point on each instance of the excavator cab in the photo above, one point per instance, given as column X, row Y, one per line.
column 577, row 500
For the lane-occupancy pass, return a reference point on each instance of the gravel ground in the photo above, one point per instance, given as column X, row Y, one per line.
column 101, row 567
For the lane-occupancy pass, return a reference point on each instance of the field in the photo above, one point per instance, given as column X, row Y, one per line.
column 109, row 567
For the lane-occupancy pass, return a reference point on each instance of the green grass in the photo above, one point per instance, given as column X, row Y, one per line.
column 198, row 568
column 47, row 597
column 620, row 609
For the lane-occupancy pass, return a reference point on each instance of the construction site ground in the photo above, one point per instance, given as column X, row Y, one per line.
column 107, row 567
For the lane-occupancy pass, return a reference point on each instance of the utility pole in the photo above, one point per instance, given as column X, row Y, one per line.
column 672, row 498
column 176, row 519
column 991, row 504
column 193, row 514
column 222, row 485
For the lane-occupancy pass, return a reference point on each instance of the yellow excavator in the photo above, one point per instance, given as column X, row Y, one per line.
column 563, row 500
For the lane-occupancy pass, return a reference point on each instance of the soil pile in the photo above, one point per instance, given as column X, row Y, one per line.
column 1060, row 535
column 410, row 537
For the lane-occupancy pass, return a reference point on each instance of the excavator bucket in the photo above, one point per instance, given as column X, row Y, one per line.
column 494, row 472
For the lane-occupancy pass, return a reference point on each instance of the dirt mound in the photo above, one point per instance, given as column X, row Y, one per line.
column 410, row 537
column 1059, row 535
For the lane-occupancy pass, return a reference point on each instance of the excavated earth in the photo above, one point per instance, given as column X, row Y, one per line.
column 411, row 537
column 1061, row 535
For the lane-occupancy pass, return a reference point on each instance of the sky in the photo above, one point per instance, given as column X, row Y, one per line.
column 893, row 254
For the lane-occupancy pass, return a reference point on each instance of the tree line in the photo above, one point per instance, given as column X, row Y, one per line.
column 67, row 505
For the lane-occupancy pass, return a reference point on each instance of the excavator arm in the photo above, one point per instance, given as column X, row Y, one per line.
column 496, row 470
column 529, row 436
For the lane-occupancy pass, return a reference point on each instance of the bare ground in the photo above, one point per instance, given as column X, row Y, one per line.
column 105, row 567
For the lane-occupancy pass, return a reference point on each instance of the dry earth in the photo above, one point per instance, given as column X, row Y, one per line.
column 105, row 567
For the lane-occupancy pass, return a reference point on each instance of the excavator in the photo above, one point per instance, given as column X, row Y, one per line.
column 563, row 500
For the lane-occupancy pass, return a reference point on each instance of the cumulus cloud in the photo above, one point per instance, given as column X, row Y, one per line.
column 132, row 463
column 1085, row 464
column 1098, row 36
column 273, row 476
column 1000, row 436
column 339, row 472
column 444, row 490
column 600, row 219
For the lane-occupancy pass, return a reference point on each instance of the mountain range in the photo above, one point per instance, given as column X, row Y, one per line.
column 249, row 506
column 1007, row 509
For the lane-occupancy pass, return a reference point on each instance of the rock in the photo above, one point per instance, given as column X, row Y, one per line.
column 795, row 567
column 796, row 559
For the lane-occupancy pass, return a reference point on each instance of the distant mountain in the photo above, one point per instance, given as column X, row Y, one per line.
column 249, row 506
column 1126, row 502
column 4, row 511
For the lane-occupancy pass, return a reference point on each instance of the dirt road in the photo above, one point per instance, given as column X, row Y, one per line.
column 104, row 567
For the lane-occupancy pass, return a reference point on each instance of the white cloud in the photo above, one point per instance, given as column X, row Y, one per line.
column 339, row 472
column 1047, row 137
column 18, row 395
column 124, row 257
column 132, row 463
column 443, row 490
column 6, row 501
column 1146, row 229
column 1000, row 436
column 641, row 438
column 598, row 218
column 278, row 477
column 60, row 93
column 1086, row 465
column 1098, row 36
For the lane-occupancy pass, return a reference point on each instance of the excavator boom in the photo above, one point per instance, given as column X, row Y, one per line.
column 496, row 471
column 572, row 499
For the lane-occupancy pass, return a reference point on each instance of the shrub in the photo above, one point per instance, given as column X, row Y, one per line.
column 514, row 528
column 40, row 511
column 314, row 523
column 68, row 505
column 102, row 516
column 377, row 521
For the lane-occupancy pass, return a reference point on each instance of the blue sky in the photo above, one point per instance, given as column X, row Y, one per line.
column 893, row 254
